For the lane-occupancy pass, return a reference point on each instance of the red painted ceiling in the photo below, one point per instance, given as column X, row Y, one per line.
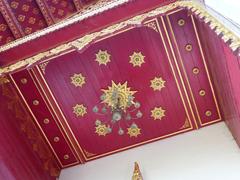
column 171, row 50
column 21, row 18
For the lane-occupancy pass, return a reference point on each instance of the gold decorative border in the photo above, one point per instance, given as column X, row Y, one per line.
column 186, row 77
column 61, row 115
column 54, row 116
column 208, row 74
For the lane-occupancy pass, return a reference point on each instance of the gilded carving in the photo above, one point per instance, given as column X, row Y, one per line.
column 137, row 59
column 133, row 130
column 79, row 110
column 103, row 57
column 124, row 93
column 152, row 25
column 158, row 113
column 78, row 80
column 157, row 83
column 43, row 66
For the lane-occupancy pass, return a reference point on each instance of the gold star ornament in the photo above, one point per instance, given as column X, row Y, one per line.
column 157, row 83
column 123, row 95
column 103, row 57
column 137, row 59
column 134, row 131
column 78, row 80
column 80, row 110
column 158, row 113
column 101, row 130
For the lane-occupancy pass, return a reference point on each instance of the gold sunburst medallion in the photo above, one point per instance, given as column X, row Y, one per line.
column 137, row 59
column 157, row 83
column 103, row 57
column 158, row 113
column 118, row 94
column 79, row 110
column 101, row 130
column 78, row 80
column 134, row 131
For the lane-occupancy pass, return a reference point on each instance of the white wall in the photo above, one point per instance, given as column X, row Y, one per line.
column 207, row 154
column 228, row 8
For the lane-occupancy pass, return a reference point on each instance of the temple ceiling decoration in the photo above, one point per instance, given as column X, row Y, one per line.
column 118, row 93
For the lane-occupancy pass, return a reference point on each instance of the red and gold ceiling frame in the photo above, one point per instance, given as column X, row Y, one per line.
column 80, row 43
column 194, row 99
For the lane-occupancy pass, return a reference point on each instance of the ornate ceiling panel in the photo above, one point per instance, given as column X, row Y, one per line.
column 158, row 68
column 28, row 16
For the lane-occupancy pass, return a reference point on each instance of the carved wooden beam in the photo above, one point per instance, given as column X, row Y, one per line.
column 78, row 4
column 45, row 12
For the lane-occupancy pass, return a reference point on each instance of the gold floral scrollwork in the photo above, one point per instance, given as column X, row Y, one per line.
column 43, row 66
column 137, row 59
column 79, row 110
column 133, row 130
column 157, row 83
column 152, row 25
column 103, row 57
column 78, row 80
column 158, row 113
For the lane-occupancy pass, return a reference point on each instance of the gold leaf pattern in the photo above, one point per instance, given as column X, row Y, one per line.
column 78, row 80
column 157, row 83
column 137, row 59
column 158, row 113
column 79, row 110
column 103, row 57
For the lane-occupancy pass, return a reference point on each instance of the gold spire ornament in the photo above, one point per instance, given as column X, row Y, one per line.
column 103, row 57
column 137, row 59
column 137, row 173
